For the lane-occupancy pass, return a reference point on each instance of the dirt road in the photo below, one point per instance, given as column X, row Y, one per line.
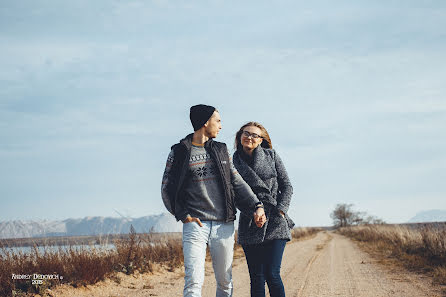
column 326, row 265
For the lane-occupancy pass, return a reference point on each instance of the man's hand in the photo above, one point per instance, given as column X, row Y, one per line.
column 259, row 217
column 190, row 219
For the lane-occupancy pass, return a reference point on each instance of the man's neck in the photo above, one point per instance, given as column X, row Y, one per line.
column 199, row 137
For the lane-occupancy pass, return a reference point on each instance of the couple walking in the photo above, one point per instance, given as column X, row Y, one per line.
column 202, row 186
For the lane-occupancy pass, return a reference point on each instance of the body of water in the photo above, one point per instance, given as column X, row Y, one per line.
column 57, row 248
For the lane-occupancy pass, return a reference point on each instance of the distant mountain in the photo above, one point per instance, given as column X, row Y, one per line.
column 89, row 226
column 435, row 215
column 22, row 229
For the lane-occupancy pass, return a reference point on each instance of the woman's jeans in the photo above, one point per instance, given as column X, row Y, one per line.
column 264, row 262
column 219, row 236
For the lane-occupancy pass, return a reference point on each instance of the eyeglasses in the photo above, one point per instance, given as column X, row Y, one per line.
column 252, row 135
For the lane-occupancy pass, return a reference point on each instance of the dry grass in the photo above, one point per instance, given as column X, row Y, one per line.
column 421, row 248
column 140, row 251
column 78, row 266
column 85, row 265
column 304, row 232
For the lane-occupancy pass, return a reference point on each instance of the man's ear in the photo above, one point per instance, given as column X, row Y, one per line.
column 206, row 124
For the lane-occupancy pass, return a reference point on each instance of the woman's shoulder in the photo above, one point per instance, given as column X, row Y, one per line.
column 270, row 152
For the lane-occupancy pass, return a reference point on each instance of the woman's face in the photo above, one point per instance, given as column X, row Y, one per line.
column 251, row 137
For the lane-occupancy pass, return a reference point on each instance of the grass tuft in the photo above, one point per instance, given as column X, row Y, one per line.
column 420, row 248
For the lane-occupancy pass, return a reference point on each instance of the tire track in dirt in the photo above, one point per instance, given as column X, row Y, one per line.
column 319, row 249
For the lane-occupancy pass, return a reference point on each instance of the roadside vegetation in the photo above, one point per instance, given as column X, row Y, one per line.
column 85, row 265
column 418, row 247
column 80, row 266
column 304, row 232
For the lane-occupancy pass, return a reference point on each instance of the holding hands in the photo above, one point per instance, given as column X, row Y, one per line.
column 259, row 217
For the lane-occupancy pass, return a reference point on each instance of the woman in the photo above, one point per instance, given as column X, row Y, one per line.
column 263, row 170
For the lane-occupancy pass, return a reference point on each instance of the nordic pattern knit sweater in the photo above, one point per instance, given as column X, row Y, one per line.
column 203, row 190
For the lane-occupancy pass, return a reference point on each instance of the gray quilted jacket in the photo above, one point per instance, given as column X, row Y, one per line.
column 269, row 180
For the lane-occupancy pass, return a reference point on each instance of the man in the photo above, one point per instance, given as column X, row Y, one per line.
column 201, row 188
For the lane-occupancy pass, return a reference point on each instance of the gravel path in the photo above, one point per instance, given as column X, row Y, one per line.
column 325, row 265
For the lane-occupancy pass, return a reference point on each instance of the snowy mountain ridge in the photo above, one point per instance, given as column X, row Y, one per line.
column 88, row 226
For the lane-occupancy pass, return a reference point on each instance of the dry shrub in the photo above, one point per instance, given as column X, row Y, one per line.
column 129, row 257
column 439, row 274
column 6, row 283
column 434, row 241
column 85, row 265
column 302, row 232
column 140, row 251
column 77, row 266
column 420, row 248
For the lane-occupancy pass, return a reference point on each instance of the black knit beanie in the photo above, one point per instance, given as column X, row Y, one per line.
column 200, row 114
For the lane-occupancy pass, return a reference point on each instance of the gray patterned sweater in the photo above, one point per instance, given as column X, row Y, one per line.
column 267, row 177
column 203, row 189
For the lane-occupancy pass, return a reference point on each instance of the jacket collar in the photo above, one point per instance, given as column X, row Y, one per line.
column 258, row 156
column 256, row 175
column 262, row 165
column 187, row 142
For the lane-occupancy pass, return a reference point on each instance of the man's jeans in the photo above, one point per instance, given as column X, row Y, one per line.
column 219, row 236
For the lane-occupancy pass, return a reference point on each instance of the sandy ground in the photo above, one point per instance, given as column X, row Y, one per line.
column 325, row 265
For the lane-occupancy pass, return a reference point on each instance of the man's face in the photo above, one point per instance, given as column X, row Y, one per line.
column 213, row 125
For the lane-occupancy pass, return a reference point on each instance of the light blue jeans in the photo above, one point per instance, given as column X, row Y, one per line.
column 219, row 236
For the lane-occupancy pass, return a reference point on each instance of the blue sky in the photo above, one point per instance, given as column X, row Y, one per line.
column 92, row 96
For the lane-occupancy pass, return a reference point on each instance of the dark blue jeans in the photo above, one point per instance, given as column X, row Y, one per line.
column 264, row 262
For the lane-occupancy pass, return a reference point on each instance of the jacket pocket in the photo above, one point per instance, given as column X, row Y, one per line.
column 289, row 222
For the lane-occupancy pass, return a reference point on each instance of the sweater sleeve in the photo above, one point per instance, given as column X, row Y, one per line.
column 245, row 199
column 285, row 187
column 164, row 184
